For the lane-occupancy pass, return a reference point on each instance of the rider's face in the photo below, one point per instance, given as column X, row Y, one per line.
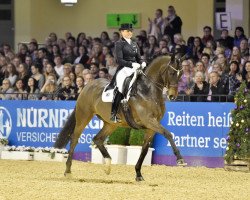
column 127, row 34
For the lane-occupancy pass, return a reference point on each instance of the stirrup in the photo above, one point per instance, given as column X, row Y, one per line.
column 115, row 119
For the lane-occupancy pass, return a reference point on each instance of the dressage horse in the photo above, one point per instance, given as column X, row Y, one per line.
column 147, row 107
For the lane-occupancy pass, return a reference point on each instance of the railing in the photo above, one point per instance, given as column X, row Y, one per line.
column 54, row 96
column 194, row 97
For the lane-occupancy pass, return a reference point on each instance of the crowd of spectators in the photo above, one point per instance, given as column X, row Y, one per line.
column 61, row 67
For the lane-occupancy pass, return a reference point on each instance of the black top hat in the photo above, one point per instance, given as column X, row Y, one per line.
column 126, row 26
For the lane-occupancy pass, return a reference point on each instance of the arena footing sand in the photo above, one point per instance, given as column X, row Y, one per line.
column 44, row 180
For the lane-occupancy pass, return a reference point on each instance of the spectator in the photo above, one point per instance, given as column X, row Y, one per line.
column 53, row 38
column 42, row 53
column 32, row 89
column 78, row 69
column 151, row 49
column 32, row 47
column 72, row 76
column 172, row 23
column 244, row 50
column 94, row 70
column 205, row 59
column 19, row 90
column 179, row 44
column 79, row 85
column 23, row 74
column 62, row 45
column 103, row 73
column 223, row 62
column 49, row 88
column 196, row 49
column 80, row 37
column 207, row 35
column 6, row 48
column 235, row 56
column 238, row 36
column 67, row 92
column 233, row 78
column 88, row 78
column 16, row 61
column 216, row 88
column 105, row 40
column 23, row 52
column 229, row 41
column 96, row 54
column 11, row 73
column 246, row 73
column 200, row 88
column 59, row 66
column 111, row 65
column 6, row 91
column 28, row 62
column 68, row 56
column 185, row 85
column 49, row 70
column 55, row 51
column 82, row 55
column 200, row 67
column 156, row 26
column 217, row 68
column 35, row 70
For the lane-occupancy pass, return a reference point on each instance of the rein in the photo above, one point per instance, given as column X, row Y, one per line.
column 159, row 85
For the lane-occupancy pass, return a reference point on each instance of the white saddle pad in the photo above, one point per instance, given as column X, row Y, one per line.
column 107, row 96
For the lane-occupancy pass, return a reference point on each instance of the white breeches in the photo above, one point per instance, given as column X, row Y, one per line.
column 122, row 75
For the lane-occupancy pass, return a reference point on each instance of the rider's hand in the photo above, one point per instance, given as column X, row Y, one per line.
column 143, row 65
column 136, row 66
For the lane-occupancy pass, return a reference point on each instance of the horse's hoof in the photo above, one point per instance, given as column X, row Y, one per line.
column 181, row 162
column 140, row 178
column 107, row 168
column 68, row 175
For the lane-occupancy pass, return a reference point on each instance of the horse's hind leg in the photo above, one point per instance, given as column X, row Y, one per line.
column 82, row 119
column 148, row 136
column 99, row 140
column 154, row 125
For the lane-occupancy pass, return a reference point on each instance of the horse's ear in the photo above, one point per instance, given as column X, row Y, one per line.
column 184, row 57
column 173, row 58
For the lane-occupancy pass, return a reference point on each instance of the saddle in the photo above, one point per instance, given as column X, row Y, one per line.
column 108, row 92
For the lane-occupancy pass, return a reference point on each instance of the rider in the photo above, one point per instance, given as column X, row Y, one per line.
column 128, row 58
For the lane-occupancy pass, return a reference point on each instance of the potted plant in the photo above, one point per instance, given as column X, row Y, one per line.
column 136, row 140
column 18, row 153
column 3, row 143
column 116, row 145
column 50, row 154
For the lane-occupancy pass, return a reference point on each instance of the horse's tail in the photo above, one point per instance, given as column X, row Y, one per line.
column 66, row 132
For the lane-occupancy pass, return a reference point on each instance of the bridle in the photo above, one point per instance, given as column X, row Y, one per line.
column 161, row 86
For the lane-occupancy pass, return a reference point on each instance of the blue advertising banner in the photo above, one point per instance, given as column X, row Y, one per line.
column 37, row 124
column 198, row 129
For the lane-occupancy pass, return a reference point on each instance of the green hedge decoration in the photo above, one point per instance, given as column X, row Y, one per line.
column 120, row 136
column 136, row 137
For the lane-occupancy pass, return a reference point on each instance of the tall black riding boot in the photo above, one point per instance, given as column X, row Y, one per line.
column 115, row 105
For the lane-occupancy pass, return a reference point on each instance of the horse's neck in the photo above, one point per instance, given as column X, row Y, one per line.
column 154, row 71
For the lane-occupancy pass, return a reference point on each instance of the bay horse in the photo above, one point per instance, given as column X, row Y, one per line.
column 147, row 108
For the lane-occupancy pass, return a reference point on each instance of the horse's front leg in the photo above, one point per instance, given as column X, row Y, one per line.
column 154, row 125
column 99, row 140
column 148, row 136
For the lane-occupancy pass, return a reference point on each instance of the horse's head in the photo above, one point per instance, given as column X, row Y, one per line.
column 172, row 75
